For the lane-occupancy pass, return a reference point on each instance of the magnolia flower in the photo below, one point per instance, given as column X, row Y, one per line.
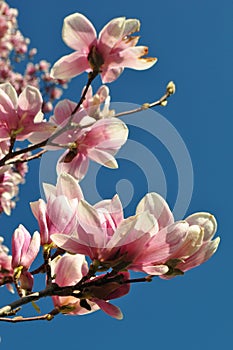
column 149, row 241
column 69, row 270
column 20, row 116
column 24, row 247
column 96, row 140
column 178, row 246
column 103, row 233
column 59, row 213
column 113, row 50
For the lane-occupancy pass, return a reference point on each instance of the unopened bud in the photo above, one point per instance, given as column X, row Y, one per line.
column 163, row 103
column 171, row 88
column 145, row 106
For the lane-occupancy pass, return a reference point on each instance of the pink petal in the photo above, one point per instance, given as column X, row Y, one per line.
column 110, row 74
column 61, row 215
column 103, row 158
column 71, row 244
column 77, row 167
column 7, row 108
column 131, row 58
column 112, row 206
column 69, row 66
column 11, row 93
column 158, row 207
column 62, row 111
column 109, row 309
column 30, row 102
column 32, row 251
column 133, row 228
column 68, row 186
column 110, row 35
column 78, row 33
column 20, row 243
column 163, row 244
column 68, row 269
column 90, row 221
column 154, row 270
column 39, row 211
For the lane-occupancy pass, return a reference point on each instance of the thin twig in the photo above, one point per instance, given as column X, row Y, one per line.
column 46, row 317
column 161, row 102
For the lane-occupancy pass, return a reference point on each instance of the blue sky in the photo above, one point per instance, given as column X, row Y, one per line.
column 193, row 42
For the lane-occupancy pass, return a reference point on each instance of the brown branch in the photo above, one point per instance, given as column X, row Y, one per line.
column 47, row 317
column 41, row 144
column 161, row 102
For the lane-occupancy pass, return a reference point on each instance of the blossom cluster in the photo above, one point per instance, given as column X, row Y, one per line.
column 69, row 228
column 14, row 47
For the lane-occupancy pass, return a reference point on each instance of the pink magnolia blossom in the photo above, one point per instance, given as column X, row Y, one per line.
column 20, row 116
column 24, row 247
column 69, row 270
column 149, row 241
column 177, row 249
column 103, row 233
column 113, row 50
column 59, row 213
column 96, row 140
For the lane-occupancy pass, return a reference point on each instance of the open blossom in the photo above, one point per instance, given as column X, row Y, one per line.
column 113, row 50
column 149, row 241
column 20, row 116
column 103, row 233
column 24, row 247
column 59, row 213
column 69, row 270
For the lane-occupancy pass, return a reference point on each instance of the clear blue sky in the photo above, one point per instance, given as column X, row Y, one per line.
column 193, row 41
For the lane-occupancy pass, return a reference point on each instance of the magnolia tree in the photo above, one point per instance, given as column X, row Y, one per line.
column 88, row 250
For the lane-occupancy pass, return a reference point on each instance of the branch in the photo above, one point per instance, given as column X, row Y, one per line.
column 48, row 317
column 161, row 102
column 41, row 144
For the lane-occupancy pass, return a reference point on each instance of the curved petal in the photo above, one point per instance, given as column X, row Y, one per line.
column 62, row 111
column 78, row 33
column 154, row 270
column 77, row 167
column 110, row 35
column 205, row 220
column 164, row 244
column 131, row 58
column 68, row 186
column 133, row 228
column 109, row 75
column 70, row 244
column 158, row 207
column 202, row 255
column 112, row 206
column 7, row 108
column 11, row 93
column 103, row 158
column 69, row 66
column 32, row 251
column 109, row 309
column 30, row 102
